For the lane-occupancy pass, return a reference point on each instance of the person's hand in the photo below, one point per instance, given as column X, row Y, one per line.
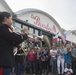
column 25, row 31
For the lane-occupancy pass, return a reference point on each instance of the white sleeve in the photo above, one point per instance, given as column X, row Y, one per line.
column 71, row 70
column 50, row 51
column 65, row 70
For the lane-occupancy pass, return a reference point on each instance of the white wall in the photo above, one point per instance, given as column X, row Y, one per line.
column 2, row 7
column 40, row 20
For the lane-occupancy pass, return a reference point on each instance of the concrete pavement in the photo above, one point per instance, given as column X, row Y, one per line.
column 21, row 74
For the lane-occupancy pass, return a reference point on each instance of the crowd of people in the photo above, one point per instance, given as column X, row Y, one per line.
column 47, row 60
column 59, row 60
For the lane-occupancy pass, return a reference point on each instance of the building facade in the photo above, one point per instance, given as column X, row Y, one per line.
column 38, row 22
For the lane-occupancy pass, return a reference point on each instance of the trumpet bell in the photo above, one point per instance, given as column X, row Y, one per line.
column 41, row 37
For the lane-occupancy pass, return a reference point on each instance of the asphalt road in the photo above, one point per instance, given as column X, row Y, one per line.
column 33, row 74
column 22, row 74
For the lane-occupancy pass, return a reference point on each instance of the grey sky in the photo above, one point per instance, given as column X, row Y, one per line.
column 63, row 11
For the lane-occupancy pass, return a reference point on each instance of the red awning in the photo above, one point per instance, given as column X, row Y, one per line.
column 32, row 39
column 36, row 40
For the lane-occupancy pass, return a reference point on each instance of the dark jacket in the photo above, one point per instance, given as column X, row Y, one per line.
column 7, row 41
column 19, row 58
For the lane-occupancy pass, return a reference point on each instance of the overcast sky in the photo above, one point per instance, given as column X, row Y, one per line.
column 63, row 11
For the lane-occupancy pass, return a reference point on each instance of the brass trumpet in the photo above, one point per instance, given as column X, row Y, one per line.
column 15, row 50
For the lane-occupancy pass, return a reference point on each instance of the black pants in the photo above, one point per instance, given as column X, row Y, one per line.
column 74, row 67
column 38, row 68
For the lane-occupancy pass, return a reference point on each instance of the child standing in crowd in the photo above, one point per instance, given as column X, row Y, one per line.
column 31, row 58
column 68, row 70
column 43, row 59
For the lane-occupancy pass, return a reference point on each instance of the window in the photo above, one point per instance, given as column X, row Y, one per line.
column 37, row 33
column 31, row 31
column 17, row 27
column 25, row 26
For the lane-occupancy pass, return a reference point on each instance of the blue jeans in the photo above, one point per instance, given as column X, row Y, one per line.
column 18, row 71
column 5, row 70
column 54, row 65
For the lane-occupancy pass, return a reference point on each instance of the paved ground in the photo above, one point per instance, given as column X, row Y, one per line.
column 24, row 74
column 32, row 74
column 21, row 74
